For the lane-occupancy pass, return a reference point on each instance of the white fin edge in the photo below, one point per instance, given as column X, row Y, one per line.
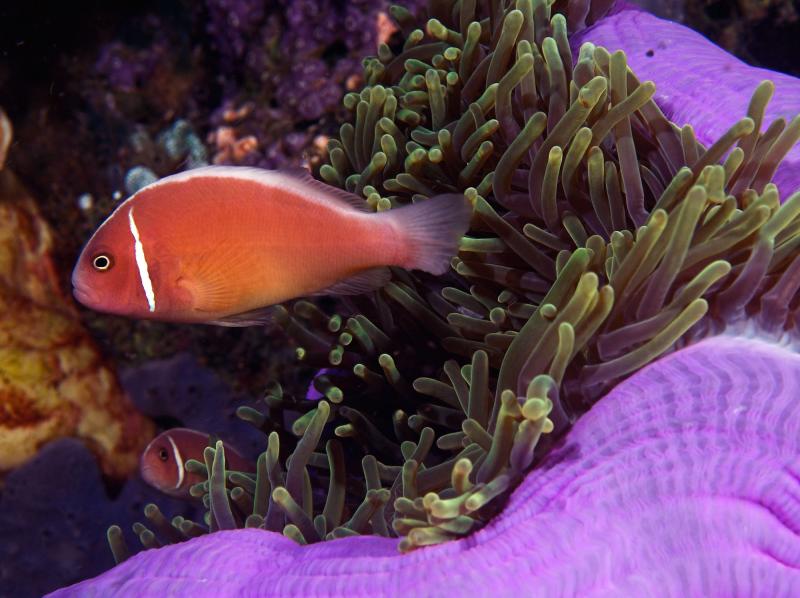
column 318, row 192
column 296, row 180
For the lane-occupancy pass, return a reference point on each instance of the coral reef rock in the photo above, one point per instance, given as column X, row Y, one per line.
column 53, row 381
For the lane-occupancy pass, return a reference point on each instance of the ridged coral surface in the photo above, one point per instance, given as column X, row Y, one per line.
column 683, row 481
column 697, row 82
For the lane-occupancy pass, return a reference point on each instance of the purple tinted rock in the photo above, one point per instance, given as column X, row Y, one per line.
column 697, row 82
column 683, row 481
column 127, row 68
column 360, row 24
column 311, row 91
column 54, row 512
column 318, row 19
column 232, row 23
column 293, row 60
column 182, row 393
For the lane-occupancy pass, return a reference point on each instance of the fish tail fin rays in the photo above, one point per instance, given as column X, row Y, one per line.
column 432, row 230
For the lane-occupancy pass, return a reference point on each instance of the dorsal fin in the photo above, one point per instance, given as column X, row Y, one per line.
column 304, row 176
column 300, row 177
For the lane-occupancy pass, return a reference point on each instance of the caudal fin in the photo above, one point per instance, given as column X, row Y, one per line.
column 432, row 230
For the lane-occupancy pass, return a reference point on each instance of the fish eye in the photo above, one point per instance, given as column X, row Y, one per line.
column 101, row 262
column 163, row 455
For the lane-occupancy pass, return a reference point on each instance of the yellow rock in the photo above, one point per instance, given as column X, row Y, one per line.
column 53, row 380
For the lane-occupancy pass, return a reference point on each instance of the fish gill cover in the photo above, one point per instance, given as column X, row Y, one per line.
column 603, row 237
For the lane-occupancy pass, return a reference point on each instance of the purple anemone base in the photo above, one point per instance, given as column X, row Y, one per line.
column 697, row 82
column 684, row 480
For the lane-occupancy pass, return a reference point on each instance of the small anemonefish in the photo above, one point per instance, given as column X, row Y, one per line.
column 163, row 462
column 221, row 244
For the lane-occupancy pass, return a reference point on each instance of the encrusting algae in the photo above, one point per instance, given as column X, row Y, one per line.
column 603, row 237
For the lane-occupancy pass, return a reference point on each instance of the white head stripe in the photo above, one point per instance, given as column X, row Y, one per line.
column 178, row 461
column 141, row 263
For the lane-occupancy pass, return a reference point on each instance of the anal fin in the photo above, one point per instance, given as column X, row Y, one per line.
column 263, row 316
column 363, row 282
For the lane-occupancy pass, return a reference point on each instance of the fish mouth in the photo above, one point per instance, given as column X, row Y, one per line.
column 83, row 295
column 148, row 474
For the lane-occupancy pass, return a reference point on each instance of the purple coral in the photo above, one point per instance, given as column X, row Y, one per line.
column 313, row 88
column 683, row 480
column 127, row 68
column 231, row 24
column 295, row 59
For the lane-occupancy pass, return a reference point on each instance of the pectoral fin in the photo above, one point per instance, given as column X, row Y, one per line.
column 211, row 295
column 209, row 280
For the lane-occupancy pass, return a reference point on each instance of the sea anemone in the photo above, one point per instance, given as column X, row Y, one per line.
column 604, row 237
column 697, row 83
column 682, row 481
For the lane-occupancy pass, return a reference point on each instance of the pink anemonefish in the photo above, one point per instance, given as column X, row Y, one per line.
column 163, row 462
column 221, row 244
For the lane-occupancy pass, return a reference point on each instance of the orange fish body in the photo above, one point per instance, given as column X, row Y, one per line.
column 219, row 244
column 163, row 462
